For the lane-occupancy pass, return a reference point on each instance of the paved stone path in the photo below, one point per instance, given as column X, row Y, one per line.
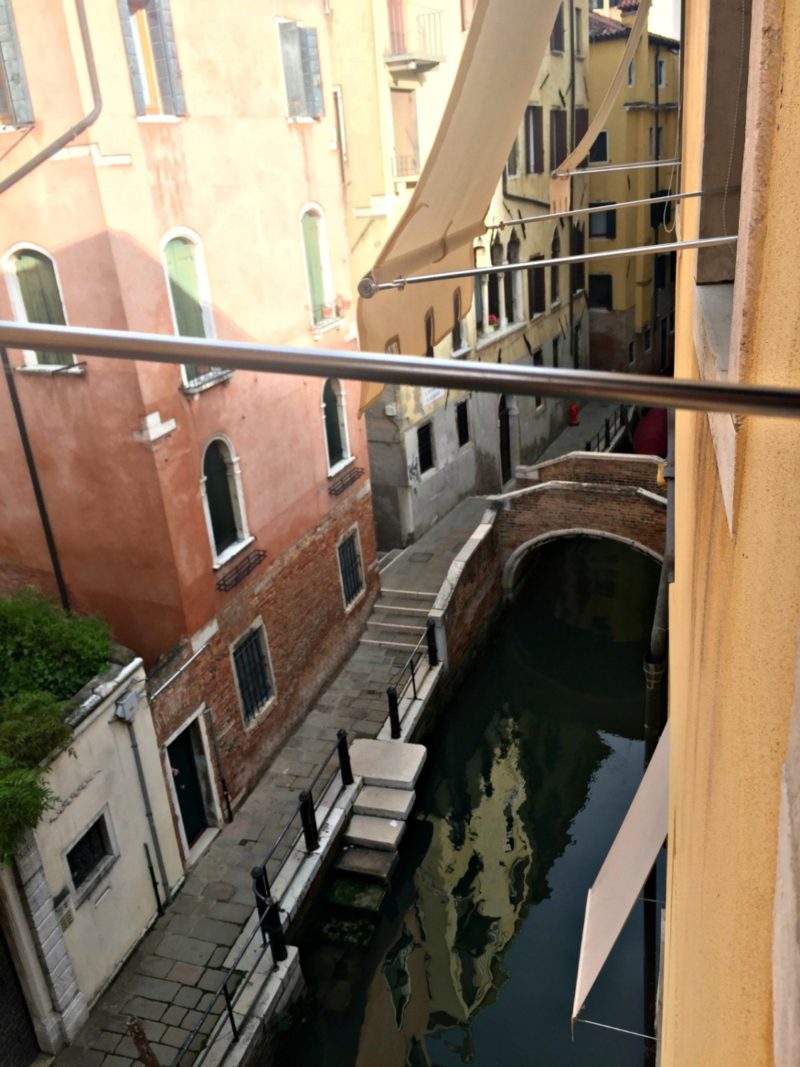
column 573, row 438
column 168, row 981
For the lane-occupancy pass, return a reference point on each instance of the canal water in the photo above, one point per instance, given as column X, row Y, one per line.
column 472, row 957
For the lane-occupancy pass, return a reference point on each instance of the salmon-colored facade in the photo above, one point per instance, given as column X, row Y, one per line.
column 218, row 163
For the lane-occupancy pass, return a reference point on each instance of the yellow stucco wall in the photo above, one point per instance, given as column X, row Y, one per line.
column 736, row 595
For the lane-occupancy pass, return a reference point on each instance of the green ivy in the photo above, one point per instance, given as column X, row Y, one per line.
column 42, row 649
column 45, row 658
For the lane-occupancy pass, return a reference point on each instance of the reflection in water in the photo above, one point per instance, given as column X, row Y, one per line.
column 529, row 774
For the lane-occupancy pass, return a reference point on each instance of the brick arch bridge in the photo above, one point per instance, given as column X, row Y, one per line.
column 581, row 494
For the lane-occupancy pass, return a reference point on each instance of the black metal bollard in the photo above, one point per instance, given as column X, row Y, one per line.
column 433, row 651
column 277, row 942
column 588, row 446
column 344, row 758
column 608, row 433
column 261, row 892
column 309, row 820
column 413, row 671
column 394, row 712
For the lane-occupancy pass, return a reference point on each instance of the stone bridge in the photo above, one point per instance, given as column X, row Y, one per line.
column 583, row 493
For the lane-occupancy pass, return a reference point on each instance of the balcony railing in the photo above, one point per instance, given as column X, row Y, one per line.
column 406, row 166
column 415, row 37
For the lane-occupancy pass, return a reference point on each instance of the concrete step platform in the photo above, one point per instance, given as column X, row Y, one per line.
column 396, row 627
column 393, row 764
column 385, row 803
column 351, row 931
column 405, row 611
column 411, row 594
column 367, row 862
column 354, row 894
column 369, row 831
column 405, row 646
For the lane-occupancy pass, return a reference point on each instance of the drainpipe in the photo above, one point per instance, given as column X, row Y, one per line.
column 56, row 146
column 35, row 483
column 571, row 223
column 125, row 711
column 655, row 665
column 663, row 207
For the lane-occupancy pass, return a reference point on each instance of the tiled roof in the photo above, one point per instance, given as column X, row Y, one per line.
column 603, row 28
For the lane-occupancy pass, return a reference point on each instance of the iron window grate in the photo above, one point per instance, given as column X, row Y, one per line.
column 251, row 673
column 87, row 855
column 238, row 573
column 350, row 569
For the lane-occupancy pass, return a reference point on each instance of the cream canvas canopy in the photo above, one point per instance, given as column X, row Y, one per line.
column 504, row 50
column 624, row 871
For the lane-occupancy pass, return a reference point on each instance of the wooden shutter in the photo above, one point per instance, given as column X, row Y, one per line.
column 38, row 286
column 165, row 54
column 558, row 137
column 557, row 36
column 581, row 126
column 293, row 68
column 312, row 75
column 19, row 101
column 182, row 272
column 611, row 224
column 538, row 139
column 536, row 297
column 133, row 60
column 316, row 287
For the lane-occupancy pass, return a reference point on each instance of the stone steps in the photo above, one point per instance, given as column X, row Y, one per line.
column 384, row 803
column 403, row 645
column 391, row 764
column 371, row 831
column 367, row 863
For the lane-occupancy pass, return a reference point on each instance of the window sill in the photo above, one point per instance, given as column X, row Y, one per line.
column 260, row 714
column 318, row 328
column 208, row 381
column 300, row 120
column 340, row 466
column 52, row 369
column 348, row 608
column 230, row 553
column 159, row 120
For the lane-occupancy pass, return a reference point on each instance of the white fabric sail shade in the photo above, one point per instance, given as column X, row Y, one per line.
column 624, row 871
column 504, row 49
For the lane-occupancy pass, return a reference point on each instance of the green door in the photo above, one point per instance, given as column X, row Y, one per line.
column 314, row 265
column 187, row 785
column 36, row 276
column 183, row 285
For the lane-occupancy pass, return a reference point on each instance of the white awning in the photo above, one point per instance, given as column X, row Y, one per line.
column 624, row 871
column 504, row 49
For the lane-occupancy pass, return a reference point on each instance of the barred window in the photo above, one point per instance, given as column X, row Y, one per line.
column 350, row 568
column 84, row 858
column 252, row 672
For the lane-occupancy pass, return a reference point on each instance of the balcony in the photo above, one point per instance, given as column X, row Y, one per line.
column 415, row 38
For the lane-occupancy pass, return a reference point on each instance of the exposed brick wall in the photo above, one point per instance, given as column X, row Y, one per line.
column 299, row 599
column 622, row 511
column 595, row 468
column 474, row 599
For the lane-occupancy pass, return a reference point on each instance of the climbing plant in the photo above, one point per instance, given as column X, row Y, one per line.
column 45, row 657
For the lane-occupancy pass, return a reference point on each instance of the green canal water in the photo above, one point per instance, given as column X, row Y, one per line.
column 473, row 954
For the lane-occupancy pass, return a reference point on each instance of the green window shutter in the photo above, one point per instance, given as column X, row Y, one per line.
column 314, row 265
column 130, row 52
column 293, row 68
column 165, row 55
column 312, row 74
column 19, row 100
column 37, row 283
column 183, row 285
column 333, row 432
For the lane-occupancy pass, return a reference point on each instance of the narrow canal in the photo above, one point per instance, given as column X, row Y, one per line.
column 473, row 954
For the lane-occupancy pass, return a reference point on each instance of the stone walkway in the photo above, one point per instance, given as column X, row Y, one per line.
column 170, row 978
column 592, row 419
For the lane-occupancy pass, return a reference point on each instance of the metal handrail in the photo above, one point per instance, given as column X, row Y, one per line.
column 269, row 924
column 603, row 438
column 396, row 691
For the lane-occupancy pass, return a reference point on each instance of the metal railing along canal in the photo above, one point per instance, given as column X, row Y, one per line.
column 410, row 675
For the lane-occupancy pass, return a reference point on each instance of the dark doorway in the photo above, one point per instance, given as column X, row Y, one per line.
column 19, row 1046
column 505, row 441
column 664, row 345
column 183, row 762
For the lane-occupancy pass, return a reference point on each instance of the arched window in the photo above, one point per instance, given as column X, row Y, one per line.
column 335, row 419
column 320, row 287
column 222, row 498
column 555, row 252
column 36, row 297
column 189, row 297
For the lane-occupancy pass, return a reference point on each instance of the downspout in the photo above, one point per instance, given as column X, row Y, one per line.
column 655, row 665
column 56, row 146
column 41, row 507
column 656, row 186
column 137, row 759
column 571, row 224
column 5, row 184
